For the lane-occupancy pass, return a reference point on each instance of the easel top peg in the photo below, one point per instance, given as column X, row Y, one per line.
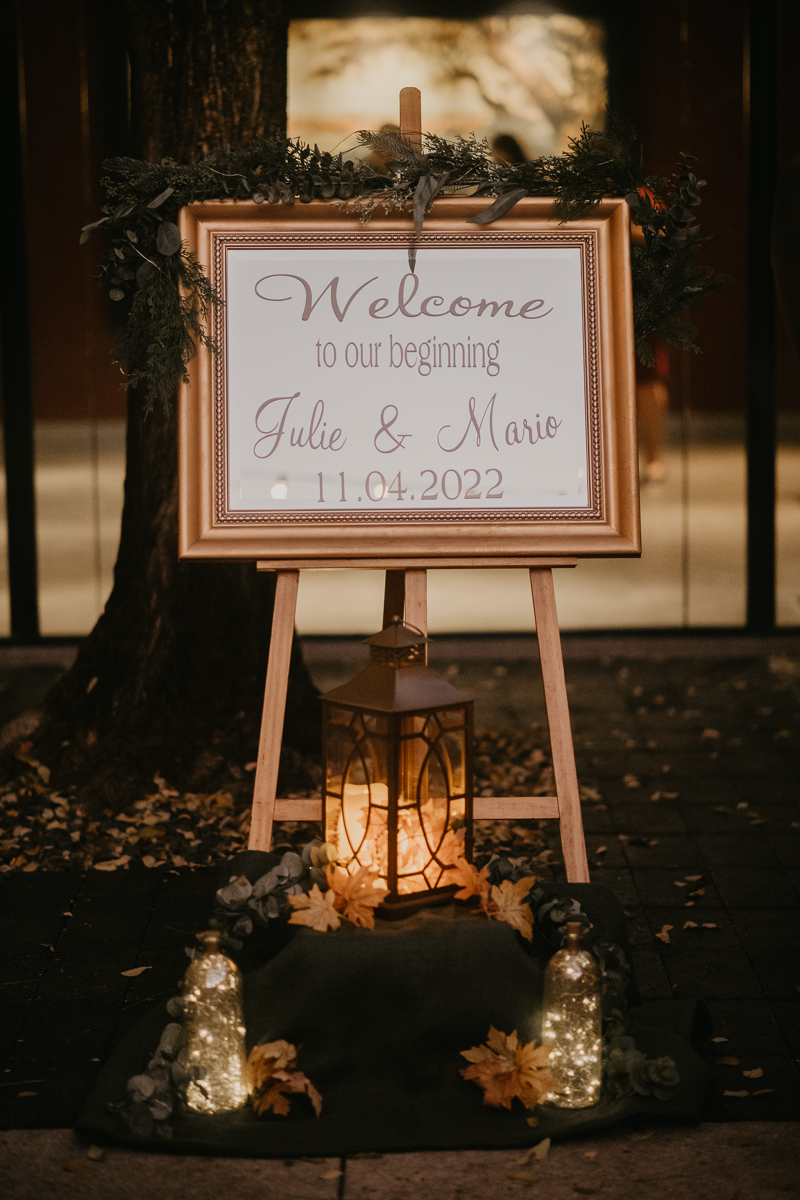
column 411, row 116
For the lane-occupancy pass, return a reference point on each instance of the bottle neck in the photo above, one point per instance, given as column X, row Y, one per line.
column 210, row 942
column 574, row 931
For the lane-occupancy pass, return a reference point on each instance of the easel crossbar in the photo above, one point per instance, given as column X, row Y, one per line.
column 484, row 808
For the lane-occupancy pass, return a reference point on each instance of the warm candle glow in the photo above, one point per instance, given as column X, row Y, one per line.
column 362, row 832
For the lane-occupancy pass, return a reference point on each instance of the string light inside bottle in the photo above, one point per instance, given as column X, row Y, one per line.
column 572, row 1023
column 214, row 1031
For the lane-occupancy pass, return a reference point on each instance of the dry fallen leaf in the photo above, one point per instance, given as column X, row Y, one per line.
column 508, row 903
column 728, row 1061
column 538, row 1152
column 664, row 934
column 690, row 924
column 738, row 1095
column 710, row 733
column 96, row 1153
column 679, row 883
column 471, row 881
column 316, row 910
column 505, row 1069
column 764, row 1092
column 272, row 1072
column 710, row 925
column 357, row 896
column 521, row 1176
column 75, row 1166
column 332, row 1174
column 694, row 878
column 134, row 971
column 719, row 1039
column 756, row 1073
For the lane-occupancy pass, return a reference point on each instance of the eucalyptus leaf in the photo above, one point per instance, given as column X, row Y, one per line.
column 170, row 1038
column 168, row 238
column 141, row 1087
column 243, row 927
column 265, row 885
column 145, row 273
column 161, row 1109
column 140, row 1121
column 501, row 206
column 175, row 1006
column 289, row 868
column 236, row 893
column 116, row 294
column 424, row 193
column 87, row 229
column 161, row 197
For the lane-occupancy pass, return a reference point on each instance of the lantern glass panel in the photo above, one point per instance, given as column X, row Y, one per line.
column 396, row 783
column 357, row 789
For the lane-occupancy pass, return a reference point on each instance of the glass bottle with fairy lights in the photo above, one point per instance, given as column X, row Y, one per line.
column 572, row 1023
column 397, row 743
column 213, row 1030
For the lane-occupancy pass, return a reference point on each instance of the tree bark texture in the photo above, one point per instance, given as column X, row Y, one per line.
column 171, row 678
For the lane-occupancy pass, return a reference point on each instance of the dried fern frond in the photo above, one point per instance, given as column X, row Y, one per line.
column 391, row 146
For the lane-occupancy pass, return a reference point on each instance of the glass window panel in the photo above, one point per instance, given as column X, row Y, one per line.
column 525, row 82
column 80, row 471
column 5, row 610
column 340, row 747
column 788, row 519
column 451, row 746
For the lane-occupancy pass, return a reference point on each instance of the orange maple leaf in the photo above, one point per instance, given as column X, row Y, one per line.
column 504, row 1069
column 315, row 909
column 356, row 896
column 452, row 847
column 272, row 1072
column 508, row 903
column 471, row 881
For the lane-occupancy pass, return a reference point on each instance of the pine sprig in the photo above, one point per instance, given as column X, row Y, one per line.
column 169, row 297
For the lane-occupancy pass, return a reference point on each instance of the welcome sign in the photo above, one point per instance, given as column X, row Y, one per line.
column 480, row 405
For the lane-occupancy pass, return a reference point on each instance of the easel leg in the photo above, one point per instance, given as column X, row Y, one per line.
column 555, row 694
column 269, row 744
column 394, row 597
column 417, row 600
column 406, row 597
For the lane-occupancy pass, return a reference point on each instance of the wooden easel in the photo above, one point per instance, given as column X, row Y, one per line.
column 406, row 596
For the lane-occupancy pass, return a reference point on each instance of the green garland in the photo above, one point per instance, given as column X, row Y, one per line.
column 169, row 295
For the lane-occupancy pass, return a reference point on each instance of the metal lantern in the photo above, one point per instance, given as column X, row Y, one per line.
column 397, row 743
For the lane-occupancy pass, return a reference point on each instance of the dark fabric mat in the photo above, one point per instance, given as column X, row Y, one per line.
column 379, row 1020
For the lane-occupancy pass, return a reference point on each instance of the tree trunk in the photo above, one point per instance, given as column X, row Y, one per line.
column 171, row 678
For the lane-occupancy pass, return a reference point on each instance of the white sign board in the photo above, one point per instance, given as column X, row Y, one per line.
column 478, row 404
column 354, row 385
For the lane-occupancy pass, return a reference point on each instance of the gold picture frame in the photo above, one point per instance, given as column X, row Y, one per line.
column 607, row 524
